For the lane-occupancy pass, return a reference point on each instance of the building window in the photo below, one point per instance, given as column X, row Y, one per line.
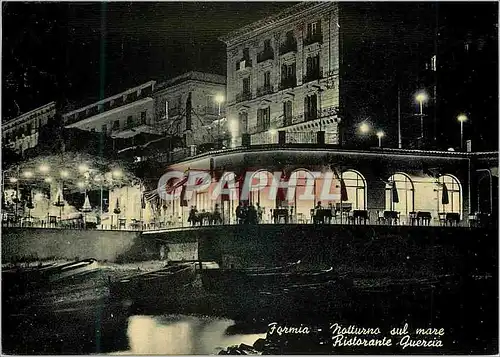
column 243, row 121
column 246, row 54
column 267, row 79
column 355, row 185
column 92, row 130
column 434, row 63
column 287, row 113
column 130, row 121
column 288, row 77
column 104, row 128
column 267, row 45
column 312, row 69
column 166, row 109
column 143, row 118
column 29, row 129
column 313, row 33
column 289, row 45
column 263, row 119
column 246, row 85
column 399, row 194
column 116, row 125
column 267, row 53
column 311, row 107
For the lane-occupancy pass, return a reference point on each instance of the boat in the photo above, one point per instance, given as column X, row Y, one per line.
column 239, row 279
column 153, row 283
column 70, row 270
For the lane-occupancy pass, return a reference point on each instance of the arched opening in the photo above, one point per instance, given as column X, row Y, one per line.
column 355, row 185
column 400, row 194
column 449, row 195
column 261, row 182
column 302, row 181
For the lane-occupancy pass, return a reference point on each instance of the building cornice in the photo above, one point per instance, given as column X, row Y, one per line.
column 79, row 123
column 254, row 29
column 113, row 97
column 27, row 116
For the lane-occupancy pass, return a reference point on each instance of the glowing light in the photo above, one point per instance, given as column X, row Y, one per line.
column 219, row 98
column 81, row 184
column 380, row 134
column 421, row 97
column 44, row 168
column 117, row 173
column 48, row 179
column 13, row 180
column 28, row 174
column 64, row 173
column 83, row 168
column 461, row 118
column 273, row 131
column 364, row 128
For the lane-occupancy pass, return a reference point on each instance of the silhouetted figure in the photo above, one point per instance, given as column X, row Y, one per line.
column 192, row 216
column 217, row 217
column 239, row 211
column 252, row 215
column 244, row 213
column 259, row 213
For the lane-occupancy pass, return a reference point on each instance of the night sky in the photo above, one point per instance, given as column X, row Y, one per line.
column 81, row 51
column 77, row 53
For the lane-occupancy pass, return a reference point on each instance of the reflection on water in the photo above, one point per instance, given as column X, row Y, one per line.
column 181, row 335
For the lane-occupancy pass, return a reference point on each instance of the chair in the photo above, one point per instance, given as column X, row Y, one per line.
column 300, row 218
column 380, row 217
column 122, row 222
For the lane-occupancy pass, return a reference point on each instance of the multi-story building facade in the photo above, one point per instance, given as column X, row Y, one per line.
column 187, row 106
column 283, row 75
column 21, row 133
column 121, row 116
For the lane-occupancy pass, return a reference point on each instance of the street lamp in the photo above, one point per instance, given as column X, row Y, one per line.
column 461, row 118
column 380, row 135
column 421, row 97
column 13, row 179
column 364, row 128
column 219, row 99
column 64, row 173
column 28, row 174
column 48, row 179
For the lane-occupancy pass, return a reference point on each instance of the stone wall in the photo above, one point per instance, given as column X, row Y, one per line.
column 22, row 243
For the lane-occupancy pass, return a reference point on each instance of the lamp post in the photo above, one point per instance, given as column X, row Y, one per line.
column 219, row 99
column 421, row 98
column 461, row 118
column 380, row 135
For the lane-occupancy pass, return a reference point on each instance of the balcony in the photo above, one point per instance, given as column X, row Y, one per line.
column 132, row 129
column 243, row 64
column 240, row 97
column 313, row 38
column 288, row 46
column 172, row 112
column 289, row 82
column 265, row 90
column 265, row 56
column 313, row 75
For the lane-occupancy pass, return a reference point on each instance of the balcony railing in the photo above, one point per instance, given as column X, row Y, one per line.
column 288, row 82
column 240, row 97
column 243, row 64
column 265, row 90
column 265, row 55
column 313, row 75
column 301, row 137
column 288, row 46
column 313, row 38
column 264, row 138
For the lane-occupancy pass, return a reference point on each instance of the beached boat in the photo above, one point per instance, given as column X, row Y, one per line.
column 155, row 283
column 270, row 279
column 70, row 270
